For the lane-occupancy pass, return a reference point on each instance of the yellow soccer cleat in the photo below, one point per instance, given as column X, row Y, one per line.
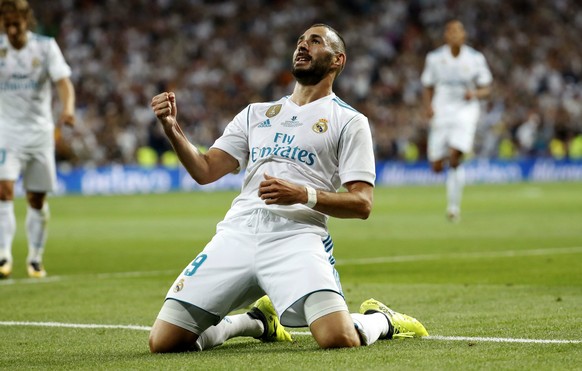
column 5, row 268
column 264, row 311
column 36, row 270
column 401, row 325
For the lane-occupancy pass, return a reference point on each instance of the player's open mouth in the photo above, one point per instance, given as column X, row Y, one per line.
column 302, row 58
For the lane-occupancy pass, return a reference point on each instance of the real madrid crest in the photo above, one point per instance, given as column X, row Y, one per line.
column 179, row 286
column 35, row 63
column 3, row 52
column 273, row 110
column 320, row 126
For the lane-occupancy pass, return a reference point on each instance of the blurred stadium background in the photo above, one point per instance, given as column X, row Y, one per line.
column 220, row 55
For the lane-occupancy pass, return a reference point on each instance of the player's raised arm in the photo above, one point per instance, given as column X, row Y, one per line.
column 204, row 168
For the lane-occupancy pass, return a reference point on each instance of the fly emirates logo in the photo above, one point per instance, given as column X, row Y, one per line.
column 283, row 147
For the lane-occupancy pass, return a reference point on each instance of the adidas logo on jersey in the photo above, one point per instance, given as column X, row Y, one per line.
column 265, row 124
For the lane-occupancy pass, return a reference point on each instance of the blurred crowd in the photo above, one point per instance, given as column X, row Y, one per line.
column 218, row 56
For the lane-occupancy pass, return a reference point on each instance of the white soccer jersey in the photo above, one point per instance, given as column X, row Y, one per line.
column 323, row 144
column 25, row 88
column 451, row 77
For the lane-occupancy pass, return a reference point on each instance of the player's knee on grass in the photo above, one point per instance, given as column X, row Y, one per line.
column 329, row 320
column 168, row 338
column 335, row 330
column 177, row 326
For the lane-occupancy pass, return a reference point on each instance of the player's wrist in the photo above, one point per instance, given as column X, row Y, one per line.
column 311, row 197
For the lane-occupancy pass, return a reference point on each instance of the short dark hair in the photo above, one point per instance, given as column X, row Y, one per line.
column 338, row 47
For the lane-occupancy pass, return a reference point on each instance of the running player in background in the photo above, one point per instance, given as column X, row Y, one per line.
column 297, row 152
column 28, row 64
column 455, row 77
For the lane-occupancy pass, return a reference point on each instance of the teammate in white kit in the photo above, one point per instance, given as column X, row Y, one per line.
column 455, row 77
column 296, row 153
column 28, row 64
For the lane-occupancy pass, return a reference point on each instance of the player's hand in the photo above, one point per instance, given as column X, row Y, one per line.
column 67, row 119
column 165, row 109
column 470, row 94
column 276, row 191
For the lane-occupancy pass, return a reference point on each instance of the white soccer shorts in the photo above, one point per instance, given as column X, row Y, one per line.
column 453, row 131
column 257, row 254
column 37, row 167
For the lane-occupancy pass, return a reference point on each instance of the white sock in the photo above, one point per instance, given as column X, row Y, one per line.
column 455, row 185
column 228, row 328
column 7, row 229
column 371, row 326
column 36, row 231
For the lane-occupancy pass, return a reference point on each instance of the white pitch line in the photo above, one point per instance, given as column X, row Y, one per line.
column 74, row 325
column 469, row 255
column 502, row 340
column 476, row 339
column 298, row 333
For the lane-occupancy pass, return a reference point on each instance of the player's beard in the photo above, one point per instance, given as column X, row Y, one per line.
column 314, row 74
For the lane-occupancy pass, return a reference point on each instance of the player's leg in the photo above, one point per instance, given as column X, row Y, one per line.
column 399, row 325
column 333, row 326
column 166, row 337
column 438, row 166
column 7, row 226
column 39, row 178
column 437, row 148
column 455, row 185
column 460, row 140
column 177, row 327
column 37, row 217
column 218, row 281
column 330, row 322
column 261, row 323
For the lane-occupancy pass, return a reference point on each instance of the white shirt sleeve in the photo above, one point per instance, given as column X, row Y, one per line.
column 356, row 152
column 428, row 77
column 484, row 76
column 57, row 66
column 234, row 140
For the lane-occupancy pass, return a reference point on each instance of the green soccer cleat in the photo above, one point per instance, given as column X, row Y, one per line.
column 264, row 311
column 401, row 325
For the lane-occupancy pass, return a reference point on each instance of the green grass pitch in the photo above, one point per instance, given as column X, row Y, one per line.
column 511, row 269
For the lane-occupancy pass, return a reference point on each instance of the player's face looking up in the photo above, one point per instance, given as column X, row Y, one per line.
column 314, row 56
column 15, row 26
column 455, row 34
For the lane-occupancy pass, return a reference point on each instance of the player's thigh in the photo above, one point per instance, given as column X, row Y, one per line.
column 437, row 145
column 166, row 337
column 178, row 325
column 221, row 278
column 10, row 163
column 462, row 133
column 462, row 139
column 10, row 168
column 39, row 174
column 291, row 268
